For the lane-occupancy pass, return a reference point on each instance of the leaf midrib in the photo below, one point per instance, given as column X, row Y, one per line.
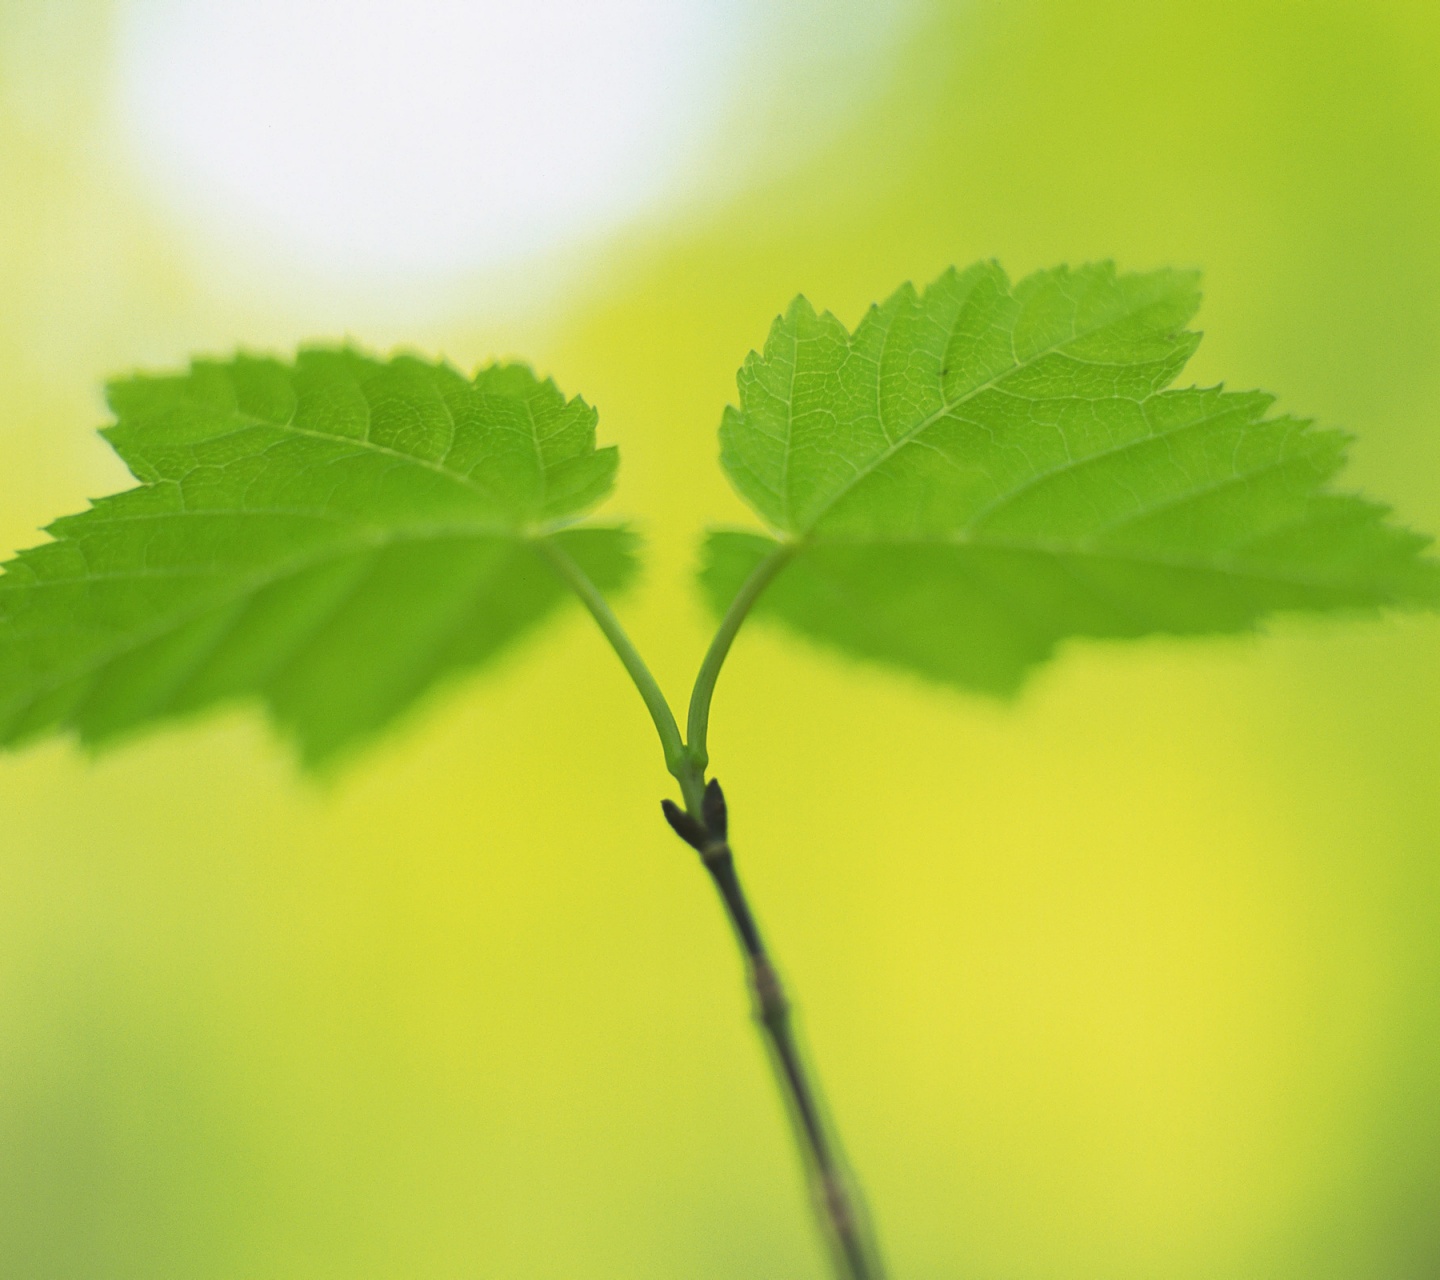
column 908, row 437
column 1090, row 548
column 1006, row 499
column 1226, row 566
column 248, row 422
column 251, row 585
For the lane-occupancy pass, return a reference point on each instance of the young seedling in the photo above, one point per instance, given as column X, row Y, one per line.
column 974, row 474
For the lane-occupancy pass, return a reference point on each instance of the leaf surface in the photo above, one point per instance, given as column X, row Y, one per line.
column 333, row 536
column 981, row 471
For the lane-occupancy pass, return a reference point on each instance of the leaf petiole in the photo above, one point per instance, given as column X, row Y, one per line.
column 677, row 759
column 686, row 758
column 698, row 721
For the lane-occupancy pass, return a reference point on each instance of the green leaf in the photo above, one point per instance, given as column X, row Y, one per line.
column 334, row 536
column 981, row 471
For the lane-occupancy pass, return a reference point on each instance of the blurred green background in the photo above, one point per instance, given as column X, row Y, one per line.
column 1139, row 977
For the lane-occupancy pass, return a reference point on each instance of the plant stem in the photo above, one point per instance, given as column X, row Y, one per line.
column 670, row 741
column 703, row 824
column 852, row 1248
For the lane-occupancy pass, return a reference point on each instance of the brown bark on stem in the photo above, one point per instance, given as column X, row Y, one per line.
column 852, row 1248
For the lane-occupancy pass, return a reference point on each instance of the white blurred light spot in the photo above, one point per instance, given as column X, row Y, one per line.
column 373, row 138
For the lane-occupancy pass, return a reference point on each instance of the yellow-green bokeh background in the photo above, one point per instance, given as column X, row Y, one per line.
column 1139, row 977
